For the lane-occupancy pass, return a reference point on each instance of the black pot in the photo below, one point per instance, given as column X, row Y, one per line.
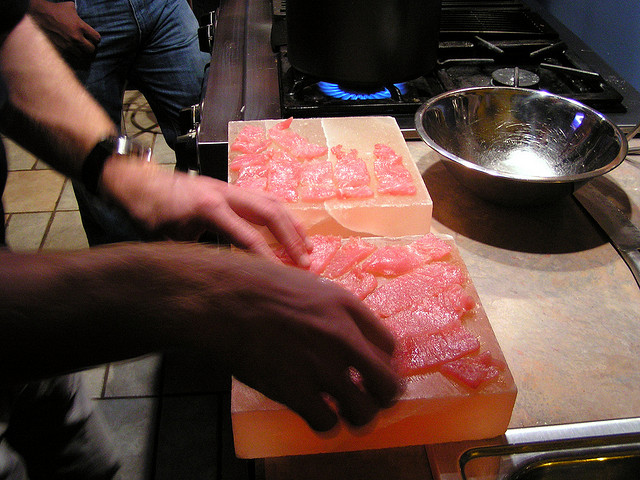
column 363, row 42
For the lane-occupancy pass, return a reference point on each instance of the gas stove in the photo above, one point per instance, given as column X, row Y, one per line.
column 481, row 43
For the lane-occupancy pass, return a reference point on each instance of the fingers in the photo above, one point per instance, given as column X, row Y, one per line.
column 372, row 357
column 345, row 394
column 316, row 412
column 243, row 234
column 354, row 402
column 91, row 35
column 371, row 327
column 264, row 210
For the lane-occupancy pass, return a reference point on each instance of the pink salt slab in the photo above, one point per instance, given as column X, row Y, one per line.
column 435, row 407
column 383, row 215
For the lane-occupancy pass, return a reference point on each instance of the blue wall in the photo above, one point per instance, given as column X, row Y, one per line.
column 610, row 27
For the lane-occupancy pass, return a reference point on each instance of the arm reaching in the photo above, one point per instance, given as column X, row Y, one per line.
column 279, row 329
column 54, row 117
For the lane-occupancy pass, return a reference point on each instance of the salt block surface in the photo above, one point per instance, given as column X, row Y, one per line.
column 455, row 394
column 257, row 163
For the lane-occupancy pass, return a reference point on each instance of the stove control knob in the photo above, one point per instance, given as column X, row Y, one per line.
column 207, row 30
column 186, row 148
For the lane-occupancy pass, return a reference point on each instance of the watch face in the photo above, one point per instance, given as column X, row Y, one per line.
column 94, row 163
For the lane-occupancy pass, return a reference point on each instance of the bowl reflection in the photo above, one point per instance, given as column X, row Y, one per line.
column 519, row 146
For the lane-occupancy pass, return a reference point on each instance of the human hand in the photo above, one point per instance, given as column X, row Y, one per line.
column 183, row 207
column 297, row 339
column 66, row 30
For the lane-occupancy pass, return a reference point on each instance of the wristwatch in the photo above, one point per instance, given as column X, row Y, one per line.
column 105, row 148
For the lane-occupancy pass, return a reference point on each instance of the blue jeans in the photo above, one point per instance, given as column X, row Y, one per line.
column 151, row 45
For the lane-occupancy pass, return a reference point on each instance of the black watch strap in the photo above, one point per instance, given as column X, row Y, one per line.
column 105, row 148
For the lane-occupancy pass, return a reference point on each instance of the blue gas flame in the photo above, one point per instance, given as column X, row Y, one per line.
column 336, row 91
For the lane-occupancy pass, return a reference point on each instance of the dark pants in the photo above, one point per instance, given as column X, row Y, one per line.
column 49, row 430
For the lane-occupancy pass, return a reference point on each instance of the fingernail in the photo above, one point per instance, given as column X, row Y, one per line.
column 308, row 243
column 304, row 260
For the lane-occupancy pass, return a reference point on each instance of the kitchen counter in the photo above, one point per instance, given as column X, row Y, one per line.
column 564, row 306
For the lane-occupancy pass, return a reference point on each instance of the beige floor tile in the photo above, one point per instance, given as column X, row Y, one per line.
column 94, row 380
column 25, row 231
column 162, row 153
column 67, row 198
column 17, row 157
column 32, row 191
column 143, row 138
column 66, row 232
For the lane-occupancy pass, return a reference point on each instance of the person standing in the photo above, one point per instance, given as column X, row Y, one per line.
column 149, row 45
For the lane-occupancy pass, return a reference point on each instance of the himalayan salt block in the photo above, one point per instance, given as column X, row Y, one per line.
column 382, row 215
column 434, row 408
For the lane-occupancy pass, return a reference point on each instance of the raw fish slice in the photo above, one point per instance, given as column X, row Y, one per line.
column 393, row 177
column 316, row 181
column 432, row 247
column 358, row 282
column 410, row 289
column 324, row 248
column 283, row 256
column 249, row 159
column 473, row 371
column 352, row 193
column 432, row 316
column 251, row 139
column 295, row 144
column 352, row 251
column 253, row 177
column 457, row 297
column 351, row 175
column 419, row 353
column 283, row 177
column 393, row 260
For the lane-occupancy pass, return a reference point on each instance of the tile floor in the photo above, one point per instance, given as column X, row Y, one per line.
column 169, row 418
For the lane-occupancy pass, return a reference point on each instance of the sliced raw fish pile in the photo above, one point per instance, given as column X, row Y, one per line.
column 420, row 294
column 285, row 163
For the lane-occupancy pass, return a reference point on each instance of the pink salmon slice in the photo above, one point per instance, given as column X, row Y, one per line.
column 351, row 175
column 358, row 282
column 432, row 316
column 245, row 160
column 393, row 177
column 253, row 177
column 393, row 260
column 431, row 247
column 316, row 181
column 283, row 177
column 411, row 288
column 420, row 353
column 251, row 139
column 295, row 144
column 352, row 251
column 473, row 371
column 324, row 249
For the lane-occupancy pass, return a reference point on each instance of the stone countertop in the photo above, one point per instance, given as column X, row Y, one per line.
column 564, row 305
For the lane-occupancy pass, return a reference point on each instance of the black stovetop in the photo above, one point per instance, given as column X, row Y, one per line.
column 477, row 38
column 481, row 44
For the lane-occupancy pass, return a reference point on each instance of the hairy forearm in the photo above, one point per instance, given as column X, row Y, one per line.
column 62, row 312
column 52, row 113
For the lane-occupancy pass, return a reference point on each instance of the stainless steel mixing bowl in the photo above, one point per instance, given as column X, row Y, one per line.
column 517, row 146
